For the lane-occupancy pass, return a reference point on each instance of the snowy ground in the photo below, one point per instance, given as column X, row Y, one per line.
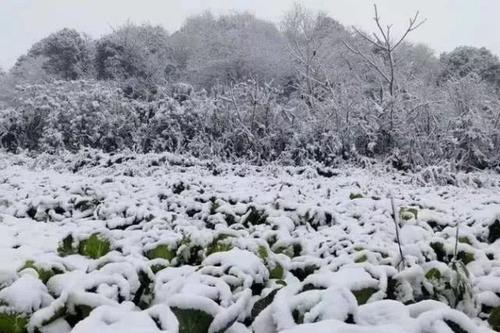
column 159, row 243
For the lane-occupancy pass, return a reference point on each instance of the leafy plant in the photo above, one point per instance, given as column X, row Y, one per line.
column 192, row 320
column 494, row 231
column 161, row 251
column 13, row 322
column 461, row 286
column 190, row 253
column 255, row 217
column 494, row 319
column 363, row 295
column 277, row 272
column 354, row 196
column 221, row 243
column 66, row 247
column 263, row 303
column 95, row 246
column 43, row 274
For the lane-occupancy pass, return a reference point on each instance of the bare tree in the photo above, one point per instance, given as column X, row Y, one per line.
column 385, row 45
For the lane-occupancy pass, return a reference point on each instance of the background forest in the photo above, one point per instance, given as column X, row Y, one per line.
column 237, row 88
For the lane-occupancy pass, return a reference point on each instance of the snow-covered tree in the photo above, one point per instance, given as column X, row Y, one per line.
column 467, row 59
column 133, row 51
column 66, row 54
column 229, row 49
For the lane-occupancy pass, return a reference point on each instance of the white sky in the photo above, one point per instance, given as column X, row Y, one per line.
column 449, row 22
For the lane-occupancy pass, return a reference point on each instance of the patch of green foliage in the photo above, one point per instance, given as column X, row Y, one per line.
column 143, row 296
column 13, row 322
column 220, row 244
column 277, row 272
column 214, row 206
column 66, row 247
column 263, row 303
column 293, row 250
column 262, row 252
column 281, row 283
column 361, row 258
column 462, row 287
column 298, row 316
column 363, row 295
column 439, row 250
column 353, row 196
column 494, row 319
column 433, row 274
column 80, row 312
column 95, row 246
column 43, row 274
column 255, row 217
column 494, row 232
column 465, row 257
column 465, row 240
column 192, row 320
column 161, row 252
column 190, row 253
column 302, row 272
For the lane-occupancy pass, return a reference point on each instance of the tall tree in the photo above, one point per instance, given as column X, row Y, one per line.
column 230, row 48
column 66, row 53
column 134, row 51
column 465, row 60
column 383, row 60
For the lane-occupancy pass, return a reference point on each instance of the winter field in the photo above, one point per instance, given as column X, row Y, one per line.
column 160, row 243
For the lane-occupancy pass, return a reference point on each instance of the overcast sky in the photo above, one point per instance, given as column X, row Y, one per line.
column 449, row 22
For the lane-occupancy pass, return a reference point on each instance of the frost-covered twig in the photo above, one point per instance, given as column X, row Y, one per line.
column 395, row 217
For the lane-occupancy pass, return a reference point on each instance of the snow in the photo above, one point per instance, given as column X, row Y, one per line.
column 26, row 295
column 117, row 319
column 328, row 246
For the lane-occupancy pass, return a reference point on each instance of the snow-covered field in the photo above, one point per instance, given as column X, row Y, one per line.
column 160, row 243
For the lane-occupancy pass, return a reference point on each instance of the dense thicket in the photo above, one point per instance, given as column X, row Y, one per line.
column 239, row 88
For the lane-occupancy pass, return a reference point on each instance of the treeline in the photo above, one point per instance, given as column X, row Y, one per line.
column 237, row 88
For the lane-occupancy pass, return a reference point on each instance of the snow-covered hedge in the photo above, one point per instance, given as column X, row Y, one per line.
column 247, row 121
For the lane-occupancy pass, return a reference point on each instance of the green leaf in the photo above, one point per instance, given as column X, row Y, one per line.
column 433, row 274
column 466, row 257
column 263, row 303
column 161, row 252
column 43, row 274
column 13, row 323
column 255, row 217
column 353, row 196
column 465, row 240
column 363, row 295
column 494, row 319
column 214, row 206
column 192, row 320
column 262, row 252
column 361, row 258
column 66, row 246
column 494, row 232
column 94, row 247
column 439, row 250
column 277, row 272
column 221, row 243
